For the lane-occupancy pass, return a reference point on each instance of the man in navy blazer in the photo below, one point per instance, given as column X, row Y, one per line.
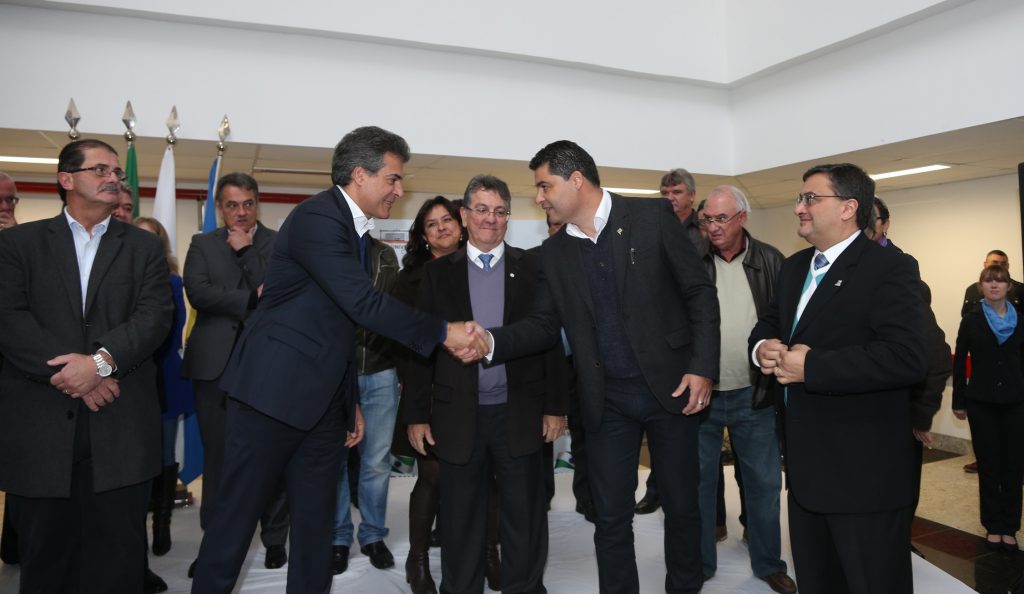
column 845, row 339
column 291, row 379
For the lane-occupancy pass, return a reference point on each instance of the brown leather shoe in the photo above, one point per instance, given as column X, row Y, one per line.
column 780, row 582
column 492, row 568
column 971, row 468
column 721, row 533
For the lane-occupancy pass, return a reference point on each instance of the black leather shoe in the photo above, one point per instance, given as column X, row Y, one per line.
column 587, row 511
column 192, row 569
column 276, row 557
column 339, row 560
column 649, row 504
column 152, row 583
column 380, row 556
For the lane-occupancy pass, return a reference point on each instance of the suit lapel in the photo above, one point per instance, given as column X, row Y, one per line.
column 567, row 252
column 110, row 245
column 511, row 269
column 618, row 226
column 458, row 283
column 833, row 282
column 66, row 260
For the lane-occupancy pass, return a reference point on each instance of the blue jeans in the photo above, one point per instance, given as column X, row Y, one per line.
column 378, row 399
column 753, row 437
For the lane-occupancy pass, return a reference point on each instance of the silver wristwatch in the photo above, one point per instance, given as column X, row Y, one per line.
column 103, row 369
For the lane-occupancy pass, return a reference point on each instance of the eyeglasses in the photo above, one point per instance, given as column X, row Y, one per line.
column 719, row 220
column 103, row 171
column 10, row 200
column 481, row 211
column 810, row 198
column 247, row 205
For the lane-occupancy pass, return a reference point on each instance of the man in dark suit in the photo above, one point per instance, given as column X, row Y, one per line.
column 291, row 379
column 224, row 272
column 844, row 337
column 641, row 318
column 84, row 303
column 483, row 420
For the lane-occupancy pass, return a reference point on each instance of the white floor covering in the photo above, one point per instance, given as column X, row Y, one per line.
column 571, row 565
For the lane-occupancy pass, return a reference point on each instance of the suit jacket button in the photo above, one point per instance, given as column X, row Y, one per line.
column 70, row 414
column 597, row 363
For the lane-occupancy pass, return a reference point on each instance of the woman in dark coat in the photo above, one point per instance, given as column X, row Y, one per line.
column 992, row 401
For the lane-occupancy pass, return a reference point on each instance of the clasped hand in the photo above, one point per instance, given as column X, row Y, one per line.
column 78, row 379
column 786, row 363
column 467, row 341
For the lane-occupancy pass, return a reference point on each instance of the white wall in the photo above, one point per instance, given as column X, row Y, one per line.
column 949, row 228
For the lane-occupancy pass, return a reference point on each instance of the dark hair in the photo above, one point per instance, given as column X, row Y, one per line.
column 679, row 176
column 239, row 180
column 994, row 272
column 883, row 210
column 999, row 253
column 365, row 147
column 486, row 182
column 417, row 251
column 849, row 182
column 565, row 156
column 73, row 155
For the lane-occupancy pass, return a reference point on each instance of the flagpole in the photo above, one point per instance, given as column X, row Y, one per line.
column 131, row 165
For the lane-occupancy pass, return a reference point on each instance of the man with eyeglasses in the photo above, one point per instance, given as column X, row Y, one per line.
column 84, row 303
column 223, row 278
column 8, row 201
column 487, row 420
column 844, row 338
column 744, row 271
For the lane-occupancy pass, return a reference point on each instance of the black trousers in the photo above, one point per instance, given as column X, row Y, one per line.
column 580, row 479
column 259, row 451
column 865, row 553
column 211, row 403
column 88, row 543
column 523, row 522
column 613, row 455
column 996, row 431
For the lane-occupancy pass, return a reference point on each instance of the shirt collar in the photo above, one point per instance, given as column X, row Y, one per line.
column 834, row 252
column 604, row 210
column 99, row 229
column 360, row 221
column 474, row 254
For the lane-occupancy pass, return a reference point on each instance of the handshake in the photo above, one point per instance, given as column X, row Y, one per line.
column 467, row 341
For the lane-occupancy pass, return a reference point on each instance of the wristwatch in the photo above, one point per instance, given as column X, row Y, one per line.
column 103, row 369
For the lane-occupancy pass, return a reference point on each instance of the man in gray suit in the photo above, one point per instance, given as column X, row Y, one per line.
column 84, row 303
column 223, row 279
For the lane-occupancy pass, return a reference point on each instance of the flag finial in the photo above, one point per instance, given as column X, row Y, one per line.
column 128, row 117
column 173, row 125
column 72, row 117
column 223, row 131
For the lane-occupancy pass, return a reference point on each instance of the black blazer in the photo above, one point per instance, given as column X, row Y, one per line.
column 444, row 393
column 219, row 286
column 847, row 428
column 669, row 305
column 128, row 311
column 995, row 368
column 297, row 350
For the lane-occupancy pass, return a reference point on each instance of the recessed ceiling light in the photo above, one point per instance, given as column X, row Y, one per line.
column 915, row 170
column 633, row 191
column 35, row 160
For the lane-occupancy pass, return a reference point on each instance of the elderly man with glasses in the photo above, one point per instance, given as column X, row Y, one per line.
column 744, row 271
column 8, row 201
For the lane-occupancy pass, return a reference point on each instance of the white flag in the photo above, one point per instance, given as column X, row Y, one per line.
column 164, row 207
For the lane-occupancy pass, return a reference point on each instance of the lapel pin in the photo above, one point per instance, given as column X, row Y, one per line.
column 839, row 283
column 619, row 230
column 512, row 275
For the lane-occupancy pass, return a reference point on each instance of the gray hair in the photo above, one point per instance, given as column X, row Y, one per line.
column 365, row 147
column 486, row 182
column 742, row 204
column 679, row 176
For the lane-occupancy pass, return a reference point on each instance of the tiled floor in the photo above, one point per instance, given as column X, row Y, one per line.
column 948, row 533
column 946, row 530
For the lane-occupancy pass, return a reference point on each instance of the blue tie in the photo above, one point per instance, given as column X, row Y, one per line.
column 820, row 261
column 486, row 259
